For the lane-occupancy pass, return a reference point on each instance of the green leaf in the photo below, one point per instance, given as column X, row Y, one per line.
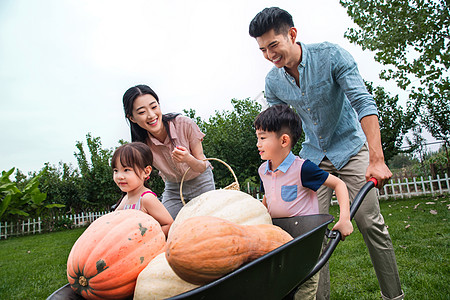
column 15, row 211
column 9, row 187
column 55, row 205
column 6, row 174
column 38, row 198
column 4, row 204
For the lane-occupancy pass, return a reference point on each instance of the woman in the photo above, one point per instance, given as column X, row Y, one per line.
column 176, row 143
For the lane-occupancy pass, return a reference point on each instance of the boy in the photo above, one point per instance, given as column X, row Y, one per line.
column 290, row 183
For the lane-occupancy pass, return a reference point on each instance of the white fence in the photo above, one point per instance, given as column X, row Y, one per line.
column 32, row 226
column 415, row 187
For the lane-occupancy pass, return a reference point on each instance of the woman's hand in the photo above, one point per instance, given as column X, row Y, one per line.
column 194, row 159
column 180, row 154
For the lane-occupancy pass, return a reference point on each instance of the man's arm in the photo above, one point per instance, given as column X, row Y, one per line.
column 377, row 167
column 348, row 77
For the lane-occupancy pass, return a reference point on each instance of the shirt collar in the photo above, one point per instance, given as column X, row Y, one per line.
column 302, row 64
column 173, row 133
column 284, row 166
column 304, row 54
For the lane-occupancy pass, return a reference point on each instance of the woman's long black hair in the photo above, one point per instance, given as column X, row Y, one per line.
column 139, row 134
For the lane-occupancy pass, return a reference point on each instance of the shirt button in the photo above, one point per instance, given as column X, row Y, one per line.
column 309, row 109
column 325, row 151
column 315, row 123
column 303, row 94
column 320, row 137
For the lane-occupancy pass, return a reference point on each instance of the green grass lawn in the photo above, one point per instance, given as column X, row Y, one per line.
column 33, row 267
column 420, row 232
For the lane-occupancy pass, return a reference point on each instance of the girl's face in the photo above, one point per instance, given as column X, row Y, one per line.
column 269, row 144
column 127, row 178
column 147, row 114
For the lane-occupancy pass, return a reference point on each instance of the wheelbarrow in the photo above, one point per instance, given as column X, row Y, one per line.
column 277, row 274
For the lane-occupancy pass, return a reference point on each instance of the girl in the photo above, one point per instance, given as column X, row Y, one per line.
column 131, row 164
column 176, row 143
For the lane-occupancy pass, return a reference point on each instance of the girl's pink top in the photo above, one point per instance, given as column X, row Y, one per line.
column 184, row 132
column 138, row 204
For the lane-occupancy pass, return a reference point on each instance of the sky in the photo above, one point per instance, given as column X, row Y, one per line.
column 65, row 65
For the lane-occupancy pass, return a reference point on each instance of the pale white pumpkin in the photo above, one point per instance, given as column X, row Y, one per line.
column 235, row 206
column 158, row 281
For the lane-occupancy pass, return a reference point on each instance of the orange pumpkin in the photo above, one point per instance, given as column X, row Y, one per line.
column 106, row 259
column 204, row 248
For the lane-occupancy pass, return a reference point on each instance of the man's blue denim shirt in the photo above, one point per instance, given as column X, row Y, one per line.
column 331, row 100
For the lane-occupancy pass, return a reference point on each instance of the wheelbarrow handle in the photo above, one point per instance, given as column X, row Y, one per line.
column 335, row 235
column 361, row 195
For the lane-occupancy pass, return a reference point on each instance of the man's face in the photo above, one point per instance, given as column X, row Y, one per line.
column 279, row 48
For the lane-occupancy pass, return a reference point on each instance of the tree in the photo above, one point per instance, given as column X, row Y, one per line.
column 417, row 145
column 394, row 122
column 230, row 136
column 21, row 179
column 412, row 38
column 402, row 160
column 97, row 186
column 62, row 184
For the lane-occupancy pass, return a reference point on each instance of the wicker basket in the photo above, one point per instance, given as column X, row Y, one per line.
column 233, row 186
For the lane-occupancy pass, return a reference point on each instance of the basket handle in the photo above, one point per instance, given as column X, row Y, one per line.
column 234, row 185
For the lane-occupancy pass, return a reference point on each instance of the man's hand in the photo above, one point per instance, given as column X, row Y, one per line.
column 380, row 172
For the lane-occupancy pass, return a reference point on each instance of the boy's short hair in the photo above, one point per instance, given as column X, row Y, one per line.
column 280, row 119
column 270, row 18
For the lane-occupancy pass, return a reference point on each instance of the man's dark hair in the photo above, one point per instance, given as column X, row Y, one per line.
column 280, row 119
column 270, row 18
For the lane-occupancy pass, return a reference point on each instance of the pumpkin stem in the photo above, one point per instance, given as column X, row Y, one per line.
column 82, row 281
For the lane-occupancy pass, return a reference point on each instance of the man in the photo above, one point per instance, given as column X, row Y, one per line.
column 340, row 121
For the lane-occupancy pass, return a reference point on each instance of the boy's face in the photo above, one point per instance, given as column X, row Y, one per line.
column 269, row 144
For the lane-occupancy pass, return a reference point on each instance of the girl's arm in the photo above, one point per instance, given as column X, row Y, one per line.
column 156, row 209
column 193, row 159
column 344, row 225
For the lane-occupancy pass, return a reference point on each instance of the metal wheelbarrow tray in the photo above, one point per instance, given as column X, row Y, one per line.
column 278, row 273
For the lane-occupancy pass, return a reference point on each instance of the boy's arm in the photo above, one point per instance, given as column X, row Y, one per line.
column 344, row 225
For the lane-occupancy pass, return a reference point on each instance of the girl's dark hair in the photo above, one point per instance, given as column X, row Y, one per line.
column 134, row 155
column 280, row 119
column 138, row 134
column 270, row 18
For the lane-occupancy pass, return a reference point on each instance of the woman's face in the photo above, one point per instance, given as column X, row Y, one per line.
column 147, row 114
